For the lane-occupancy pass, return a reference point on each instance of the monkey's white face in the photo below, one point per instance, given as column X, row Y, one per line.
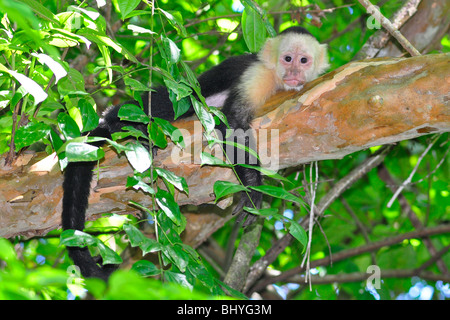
column 300, row 60
column 293, row 68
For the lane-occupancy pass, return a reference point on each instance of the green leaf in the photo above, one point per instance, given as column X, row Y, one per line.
column 119, row 148
column 78, row 151
column 175, row 20
column 127, row 6
column 177, row 256
column 63, row 38
column 181, row 107
column 89, row 116
column 108, row 255
column 232, row 292
column 219, row 114
column 180, row 89
column 131, row 112
column 171, row 53
column 137, row 239
column 7, row 252
column 169, row 206
column 177, row 278
column 267, row 172
column 138, row 156
column 58, row 71
column 56, row 140
column 145, row 268
column 21, row 14
column 41, row 11
column 224, row 188
column 137, row 183
column 209, row 159
column 68, row 126
column 295, row 229
column 99, row 38
column 191, row 78
column 76, row 238
column 31, row 133
column 298, row 233
column 277, row 192
column 173, row 132
column 72, row 83
column 30, row 86
column 254, row 6
column 253, row 29
column 136, row 85
column 129, row 131
column 179, row 182
column 180, row 257
column 157, row 135
column 266, row 212
column 203, row 115
column 107, row 57
column 138, row 29
column 200, row 273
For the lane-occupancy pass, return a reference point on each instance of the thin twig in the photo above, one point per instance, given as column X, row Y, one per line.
column 375, row 12
column 343, row 184
column 379, row 40
column 345, row 254
column 313, row 189
column 408, row 180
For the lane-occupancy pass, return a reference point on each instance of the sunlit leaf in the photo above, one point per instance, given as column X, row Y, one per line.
column 58, row 71
column 31, row 133
column 89, row 116
column 169, row 176
column 167, row 203
column 139, row 158
column 68, row 126
column 76, row 151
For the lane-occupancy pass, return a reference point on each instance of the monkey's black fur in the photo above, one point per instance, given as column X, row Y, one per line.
column 224, row 78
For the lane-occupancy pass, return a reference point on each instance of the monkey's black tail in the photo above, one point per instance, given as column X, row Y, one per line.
column 76, row 186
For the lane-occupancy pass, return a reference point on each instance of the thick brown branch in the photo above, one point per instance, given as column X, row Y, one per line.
column 360, row 105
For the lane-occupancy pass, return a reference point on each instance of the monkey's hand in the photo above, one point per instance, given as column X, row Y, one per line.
column 251, row 200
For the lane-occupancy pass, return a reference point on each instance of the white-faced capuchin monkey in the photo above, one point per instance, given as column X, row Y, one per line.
column 240, row 85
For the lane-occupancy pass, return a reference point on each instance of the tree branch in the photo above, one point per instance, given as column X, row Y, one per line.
column 237, row 274
column 345, row 254
column 361, row 276
column 260, row 266
column 350, row 109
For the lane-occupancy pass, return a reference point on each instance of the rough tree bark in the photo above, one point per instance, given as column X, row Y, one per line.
column 362, row 104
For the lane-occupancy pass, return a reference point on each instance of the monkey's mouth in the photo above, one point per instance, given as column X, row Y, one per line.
column 293, row 81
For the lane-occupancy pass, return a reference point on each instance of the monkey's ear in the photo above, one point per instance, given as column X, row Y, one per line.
column 269, row 53
column 322, row 63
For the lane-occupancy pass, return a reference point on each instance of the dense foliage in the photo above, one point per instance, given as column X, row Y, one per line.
column 62, row 63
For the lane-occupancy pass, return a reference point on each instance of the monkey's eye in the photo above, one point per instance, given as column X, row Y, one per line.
column 288, row 58
column 304, row 60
